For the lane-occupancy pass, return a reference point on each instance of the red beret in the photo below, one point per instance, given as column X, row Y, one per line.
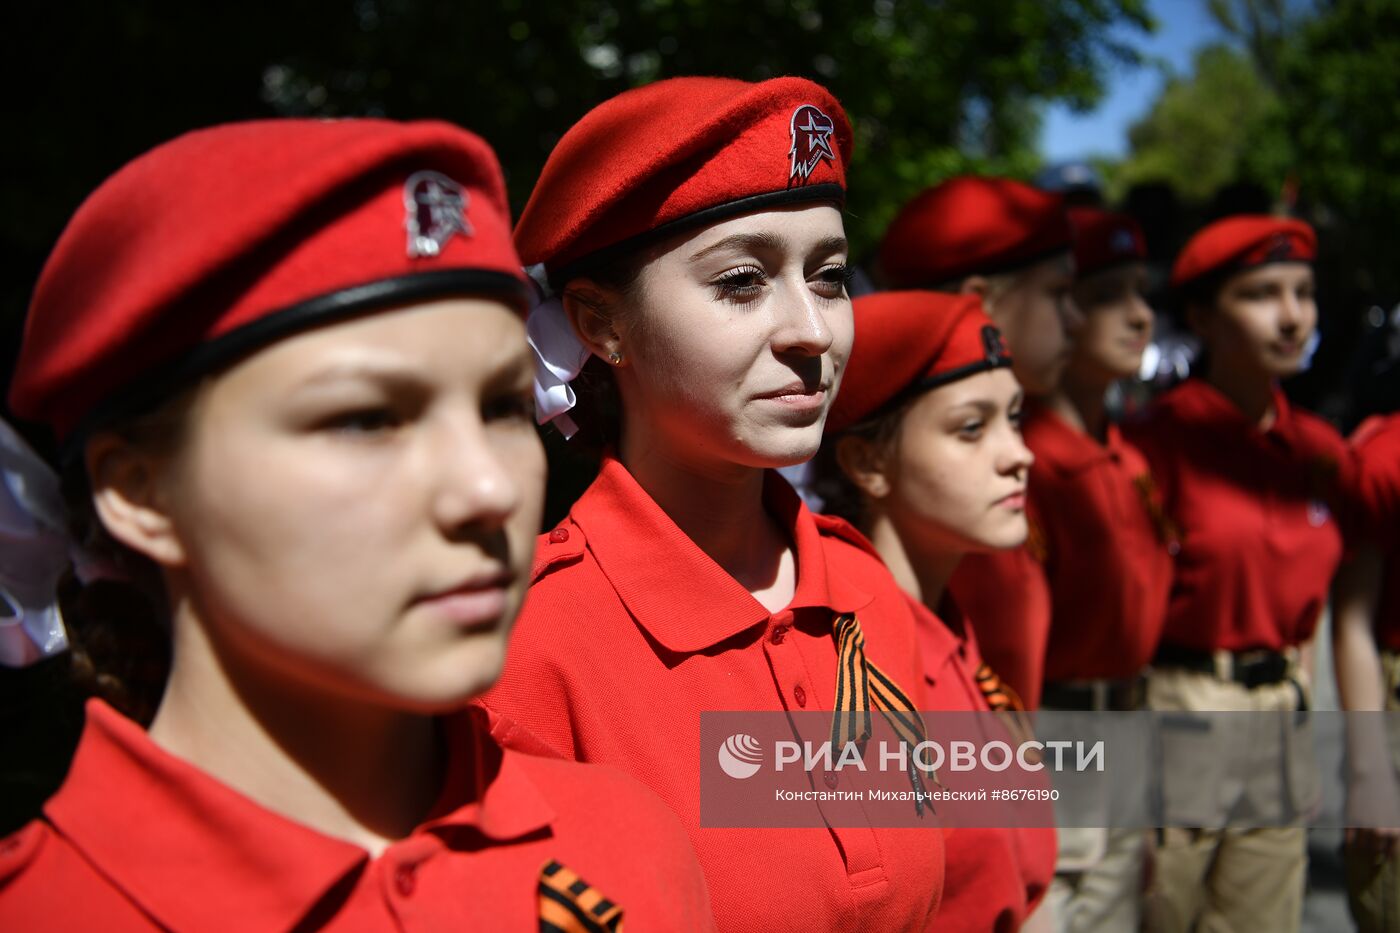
column 680, row 153
column 1241, row 242
column 228, row 238
column 910, row 342
column 971, row 226
column 1103, row 239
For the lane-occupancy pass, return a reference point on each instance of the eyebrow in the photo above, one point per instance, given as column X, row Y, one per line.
column 503, row 369
column 745, row 242
column 760, row 242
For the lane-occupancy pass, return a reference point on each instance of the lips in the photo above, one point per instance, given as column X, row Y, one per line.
column 797, row 390
column 1015, row 501
column 479, row 601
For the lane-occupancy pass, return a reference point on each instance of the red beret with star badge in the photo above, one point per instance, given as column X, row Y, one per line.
column 910, row 342
column 678, row 154
column 1243, row 242
column 971, row 226
column 226, row 239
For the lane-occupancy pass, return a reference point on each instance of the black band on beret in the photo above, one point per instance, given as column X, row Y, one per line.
column 608, row 254
column 340, row 305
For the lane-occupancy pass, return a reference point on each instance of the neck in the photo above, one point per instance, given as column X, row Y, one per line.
column 921, row 571
column 720, row 509
column 1079, row 402
column 350, row 770
column 1250, row 391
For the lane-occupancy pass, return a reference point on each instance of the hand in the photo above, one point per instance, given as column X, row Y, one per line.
column 1376, row 843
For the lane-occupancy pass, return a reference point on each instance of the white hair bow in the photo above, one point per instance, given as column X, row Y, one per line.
column 33, row 554
column 559, row 357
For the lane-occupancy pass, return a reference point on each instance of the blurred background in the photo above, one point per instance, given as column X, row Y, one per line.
column 1177, row 110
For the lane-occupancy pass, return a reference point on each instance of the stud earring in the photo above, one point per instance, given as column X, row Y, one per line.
column 614, row 357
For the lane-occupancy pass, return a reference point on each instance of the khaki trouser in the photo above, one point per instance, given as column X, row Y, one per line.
column 1104, row 890
column 1215, row 880
column 1373, row 884
column 1098, row 875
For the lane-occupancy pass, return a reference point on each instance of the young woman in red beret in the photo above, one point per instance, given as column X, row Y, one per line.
column 1251, row 485
column 692, row 230
column 1106, row 547
column 924, row 454
column 288, row 362
column 1366, row 654
column 1010, row 244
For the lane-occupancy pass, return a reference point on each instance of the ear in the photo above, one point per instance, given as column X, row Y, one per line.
column 974, row 285
column 583, row 301
column 864, row 465
column 127, row 493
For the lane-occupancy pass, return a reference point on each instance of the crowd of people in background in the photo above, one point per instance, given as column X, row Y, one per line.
column 338, row 679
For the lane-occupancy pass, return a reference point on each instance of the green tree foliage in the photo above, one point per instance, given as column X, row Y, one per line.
column 1218, row 125
column 1341, row 90
column 1262, row 27
column 1306, row 103
column 933, row 87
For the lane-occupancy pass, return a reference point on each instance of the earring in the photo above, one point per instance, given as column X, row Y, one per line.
column 614, row 357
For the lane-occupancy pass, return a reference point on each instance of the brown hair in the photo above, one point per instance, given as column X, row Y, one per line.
column 119, row 630
column 598, row 413
column 841, row 496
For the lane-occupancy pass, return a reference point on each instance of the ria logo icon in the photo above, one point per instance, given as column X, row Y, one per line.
column 740, row 756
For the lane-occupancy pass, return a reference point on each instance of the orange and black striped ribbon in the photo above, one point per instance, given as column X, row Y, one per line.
column 568, row 904
column 1002, row 699
column 861, row 686
column 1037, row 541
column 1167, row 532
column 997, row 692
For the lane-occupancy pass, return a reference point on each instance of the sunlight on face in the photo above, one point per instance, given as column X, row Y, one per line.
column 742, row 332
column 357, row 504
column 958, row 479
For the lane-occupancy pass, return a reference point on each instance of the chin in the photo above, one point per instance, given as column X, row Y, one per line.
column 787, row 447
column 455, row 679
column 1011, row 535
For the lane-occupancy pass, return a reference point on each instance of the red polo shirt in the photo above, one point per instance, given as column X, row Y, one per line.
column 995, row 876
column 630, row 631
column 1106, row 549
column 1377, row 446
column 1007, row 597
column 1254, row 511
column 137, row 839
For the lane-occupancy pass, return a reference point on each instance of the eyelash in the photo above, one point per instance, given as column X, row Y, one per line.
column 746, row 282
column 972, row 430
column 518, row 407
column 363, row 421
column 740, row 284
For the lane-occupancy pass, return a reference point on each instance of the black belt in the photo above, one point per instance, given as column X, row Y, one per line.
column 1250, row 669
column 1089, row 696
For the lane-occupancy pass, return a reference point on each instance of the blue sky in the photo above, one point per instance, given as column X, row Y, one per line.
column 1182, row 27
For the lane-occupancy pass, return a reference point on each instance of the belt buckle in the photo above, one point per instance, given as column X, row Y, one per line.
column 1266, row 668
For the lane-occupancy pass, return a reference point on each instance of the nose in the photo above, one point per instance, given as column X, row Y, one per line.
column 1290, row 314
column 472, row 485
column 1014, row 458
column 801, row 327
column 1140, row 314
